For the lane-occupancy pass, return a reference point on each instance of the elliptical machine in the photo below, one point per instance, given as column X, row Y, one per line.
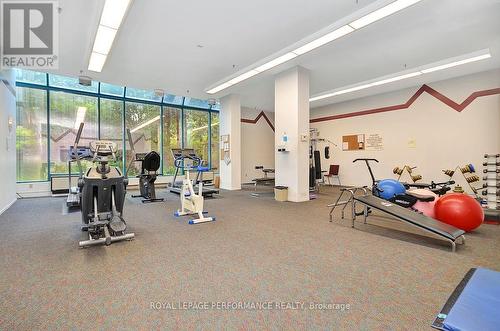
column 103, row 190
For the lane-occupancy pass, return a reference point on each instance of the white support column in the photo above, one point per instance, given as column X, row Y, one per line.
column 292, row 120
column 7, row 139
column 230, row 124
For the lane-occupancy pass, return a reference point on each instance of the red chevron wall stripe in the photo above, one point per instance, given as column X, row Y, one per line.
column 261, row 114
column 425, row 88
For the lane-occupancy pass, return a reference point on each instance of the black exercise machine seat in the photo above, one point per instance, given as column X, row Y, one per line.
column 151, row 162
column 407, row 215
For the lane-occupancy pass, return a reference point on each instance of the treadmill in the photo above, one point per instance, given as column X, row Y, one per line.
column 187, row 159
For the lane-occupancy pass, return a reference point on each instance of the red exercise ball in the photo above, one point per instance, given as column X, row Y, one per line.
column 459, row 210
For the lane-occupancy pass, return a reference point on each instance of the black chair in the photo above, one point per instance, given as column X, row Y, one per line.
column 150, row 163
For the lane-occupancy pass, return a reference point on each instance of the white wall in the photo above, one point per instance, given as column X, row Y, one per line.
column 257, row 144
column 444, row 137
column 7, row 140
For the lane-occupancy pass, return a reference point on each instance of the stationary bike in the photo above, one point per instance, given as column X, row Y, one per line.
column 103, row 193
column 192, row 203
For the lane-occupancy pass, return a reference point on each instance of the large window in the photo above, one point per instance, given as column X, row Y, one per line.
column 143, row 121
column 142, row 94
column 31, row 135
column 171, row 137
column 196, row 132
column 34, row 77
column 71, row 83
column 50, row 109
column 67, row 111
column 110, row 89
column 111, row 125
column 215, row 140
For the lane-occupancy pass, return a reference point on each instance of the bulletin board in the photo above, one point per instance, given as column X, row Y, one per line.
column 353, row 142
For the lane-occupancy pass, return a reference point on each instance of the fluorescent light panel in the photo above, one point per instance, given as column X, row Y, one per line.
column 276, row 62
column 416, row 73
column 395, row 79
column 104, row 39
column 96, row 62
column 111, row 19
column 340, row 32
column 372, row 17
column 457, row 63
column 378, row 14
column 113, row 13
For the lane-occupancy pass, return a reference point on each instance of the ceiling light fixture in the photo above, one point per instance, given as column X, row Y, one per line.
column 276, row 62
column 310, row 45
column 340, row 32
column 457, row 63
column 445, row 64
column 111, row 18
column 385, row 11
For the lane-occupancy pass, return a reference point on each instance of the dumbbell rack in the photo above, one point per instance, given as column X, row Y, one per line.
column 399, row 171
column 469, row 173
column 491, row 187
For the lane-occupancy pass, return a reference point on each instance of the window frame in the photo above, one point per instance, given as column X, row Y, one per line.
column 162, row 103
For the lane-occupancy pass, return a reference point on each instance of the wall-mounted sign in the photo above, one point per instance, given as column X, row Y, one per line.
column 374, row 142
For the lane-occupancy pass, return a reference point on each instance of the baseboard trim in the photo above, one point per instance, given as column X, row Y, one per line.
column 8, row 206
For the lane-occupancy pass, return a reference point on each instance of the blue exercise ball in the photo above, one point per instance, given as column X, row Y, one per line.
column 390, row 188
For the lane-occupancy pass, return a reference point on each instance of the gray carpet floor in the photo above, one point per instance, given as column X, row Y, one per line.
column 257, row 251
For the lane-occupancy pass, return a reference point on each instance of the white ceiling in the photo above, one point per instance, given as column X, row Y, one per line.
column 157, row 44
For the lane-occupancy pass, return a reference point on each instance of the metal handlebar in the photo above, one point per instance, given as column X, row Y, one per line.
column 132, row 148
column 356, row 160
column 75, row 148
column 369, row 169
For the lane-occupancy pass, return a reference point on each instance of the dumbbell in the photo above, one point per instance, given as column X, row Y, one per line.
column 493, row 171
column 491, row 164
column 485, row 192
column 485, row 185
column 449, row 172
column 397, row 171
column 416, row 178
column 491, row 155
column 487, row 178
column 472, row 179
column 468, row 168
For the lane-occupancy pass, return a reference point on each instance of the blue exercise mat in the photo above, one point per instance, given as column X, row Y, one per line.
column 474, row 305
